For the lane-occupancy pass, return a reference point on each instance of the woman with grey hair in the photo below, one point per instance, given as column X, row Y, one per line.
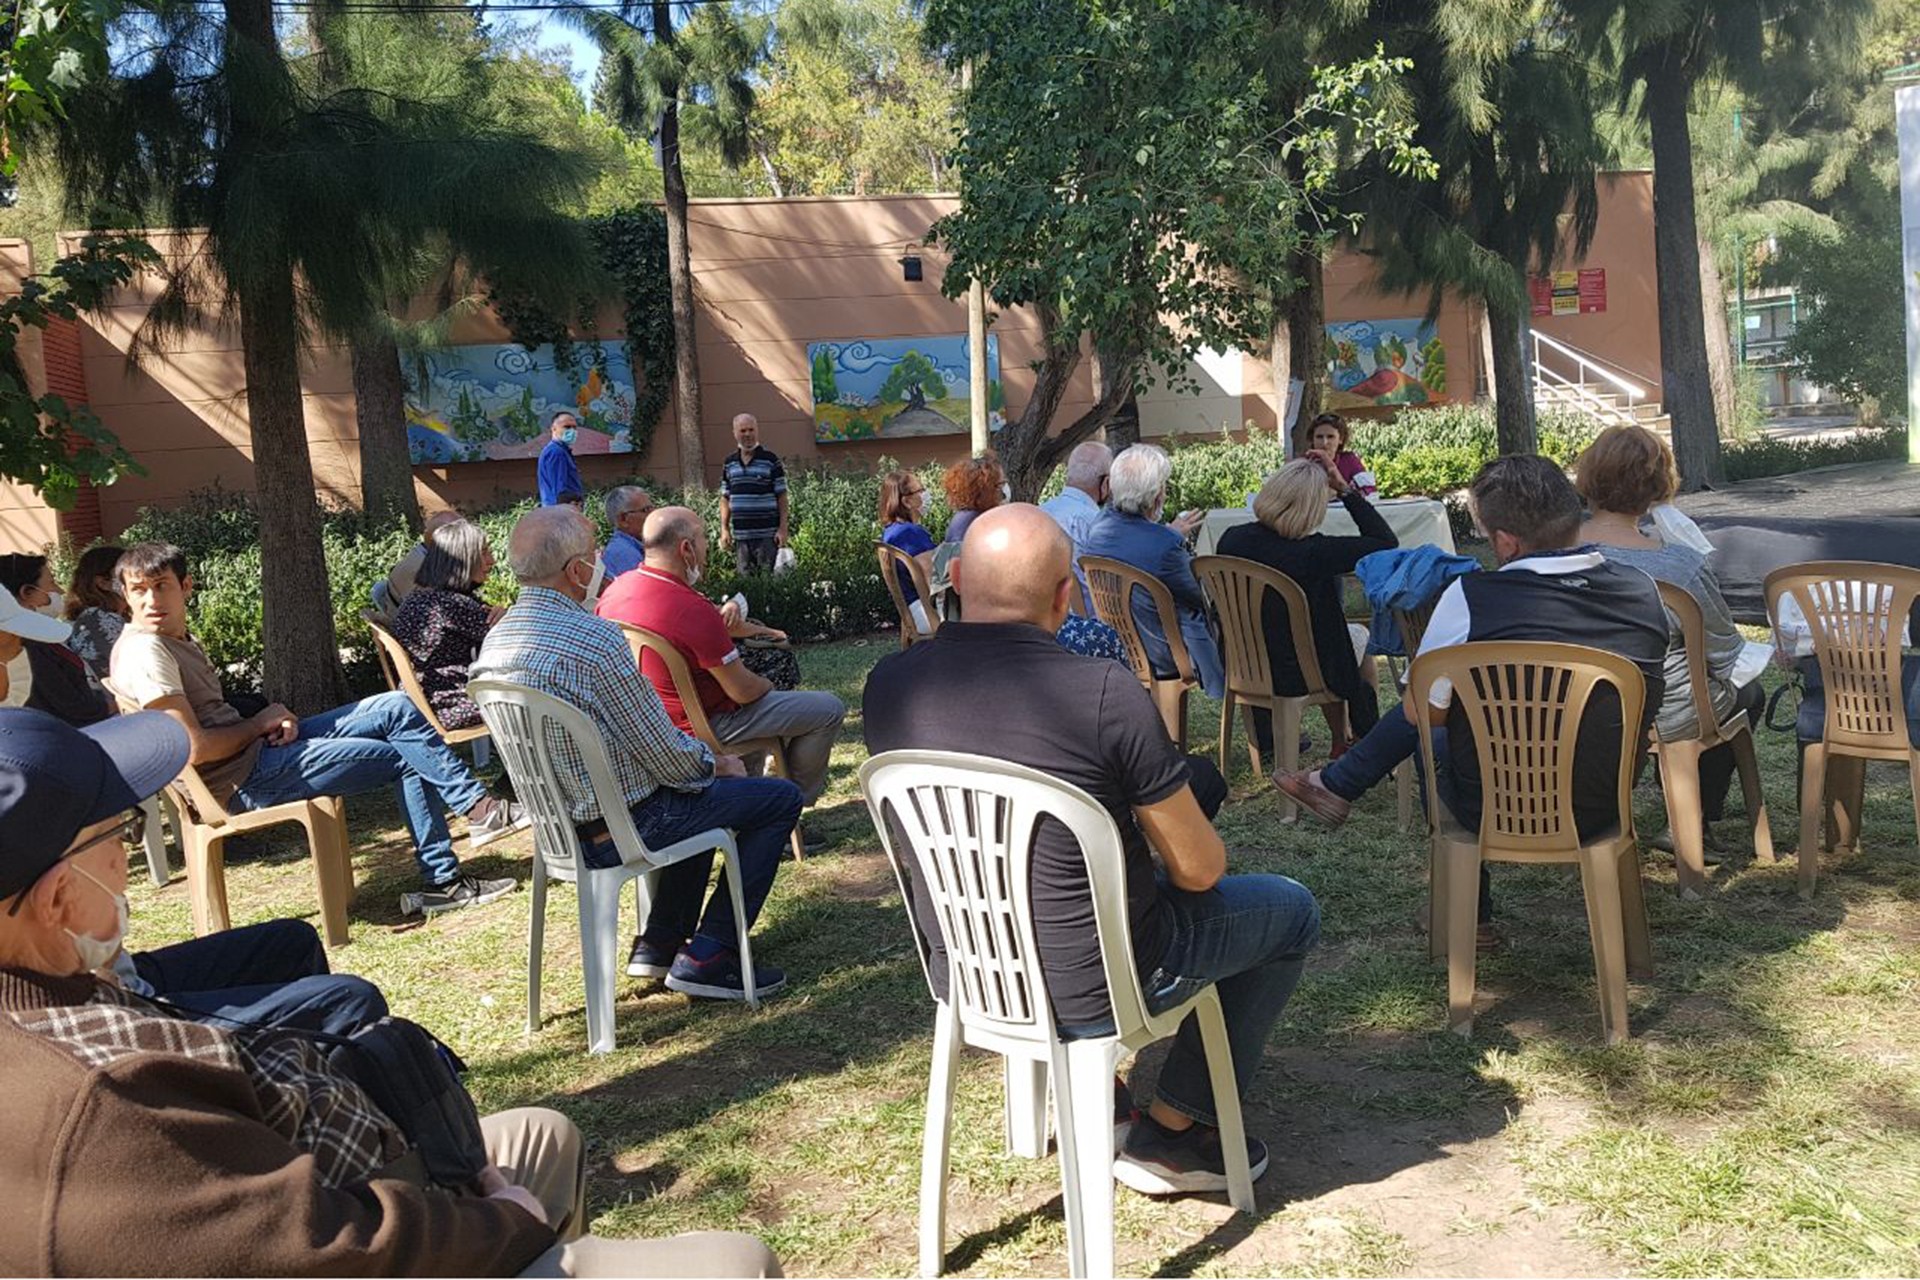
column 444, row 620
column 1129, row 530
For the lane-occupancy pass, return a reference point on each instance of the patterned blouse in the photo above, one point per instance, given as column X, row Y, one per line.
column 94, row 631
column 442, row 630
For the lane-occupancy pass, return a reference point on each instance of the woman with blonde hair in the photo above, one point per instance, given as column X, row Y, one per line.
column 1624, row 475
column 1288, row 512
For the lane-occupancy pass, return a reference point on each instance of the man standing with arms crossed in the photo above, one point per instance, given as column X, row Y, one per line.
column 753, row 500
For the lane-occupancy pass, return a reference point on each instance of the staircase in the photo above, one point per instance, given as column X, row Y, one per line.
column 1575, row 381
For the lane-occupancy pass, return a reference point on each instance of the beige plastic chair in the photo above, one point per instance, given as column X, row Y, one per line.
column 1524, row 701
column 1680, row 759
column 528, row 726
column 1112, row 584
column 204, row 825
column 1238, row 589
column 890, row 557
column 1856, row 611
column 643, row 641
column 396, row 664
column 968, row 824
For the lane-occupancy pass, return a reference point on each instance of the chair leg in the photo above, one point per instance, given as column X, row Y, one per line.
column 1026, row 1082
column 1403, row 785
column 536, row 941
column 156, row 841
column 776, row 767
column 206, row 879
column 732, row 860
column 1606, row 920
column 1439, row 894
column 326, row 846
column 1226, row 735
column 1748, row 763
column 1913, row 781
column 1463, row 917
column 935, row 1140
column 1633, row 912
column 1253, row 743
column 1813, row 790
column 1085, row 1111
column 599, row 959
column 1680, row 784
column 1286, row 747
column 1226, row 1101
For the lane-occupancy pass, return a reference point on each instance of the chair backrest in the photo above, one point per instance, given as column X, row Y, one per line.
column 1412, row 625
column 1112, row 584
column 397, row 664
column 527, row 727
column 1692, row 625
column 1524, row 701
column 969, row 824
column 890, row 558
column 643, row 642
column 1856, row 611
column 1238, row 589
column 191, row 795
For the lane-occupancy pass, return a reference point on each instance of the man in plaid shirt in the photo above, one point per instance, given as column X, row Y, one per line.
column 674, row 786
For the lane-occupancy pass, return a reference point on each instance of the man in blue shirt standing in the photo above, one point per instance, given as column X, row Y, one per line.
column 559, row 476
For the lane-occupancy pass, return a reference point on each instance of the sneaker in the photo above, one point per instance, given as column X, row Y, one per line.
column 467, row 891
column 494, row 819
column 1304, row 789
column 1711, row 850
column 650, row 959
column 719, row 978
column 1159, row 1162
column 812, row 841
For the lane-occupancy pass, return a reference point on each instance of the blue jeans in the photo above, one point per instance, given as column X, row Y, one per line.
column 365, row 745
column 759, row 811
column 264, row 975
column 1248, row 936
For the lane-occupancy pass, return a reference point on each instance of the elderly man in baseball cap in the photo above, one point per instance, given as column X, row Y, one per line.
column 147, row 1142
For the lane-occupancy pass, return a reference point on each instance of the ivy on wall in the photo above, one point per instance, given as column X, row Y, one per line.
column 633, row 250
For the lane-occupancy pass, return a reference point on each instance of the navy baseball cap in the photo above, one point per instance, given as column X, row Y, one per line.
column 55, row 780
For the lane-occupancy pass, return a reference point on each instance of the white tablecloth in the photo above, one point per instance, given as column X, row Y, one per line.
column 1417, row 522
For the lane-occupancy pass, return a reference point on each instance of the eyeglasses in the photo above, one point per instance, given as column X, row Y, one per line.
column 132, row 831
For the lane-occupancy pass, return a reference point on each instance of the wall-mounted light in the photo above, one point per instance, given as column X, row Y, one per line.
column 910, row 268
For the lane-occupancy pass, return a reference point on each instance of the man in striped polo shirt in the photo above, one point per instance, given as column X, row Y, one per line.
column 753, row 500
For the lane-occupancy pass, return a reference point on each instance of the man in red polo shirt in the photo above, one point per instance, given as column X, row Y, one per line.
column 740, row 705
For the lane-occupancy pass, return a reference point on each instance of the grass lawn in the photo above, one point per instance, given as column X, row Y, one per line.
column 1764, row 1120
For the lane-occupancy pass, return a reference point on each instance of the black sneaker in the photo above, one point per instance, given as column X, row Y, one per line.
column 650, row 959
column 467, row 891
column 1159, row 1162
column 494, row 819
column 719, row 978
column 813, row 842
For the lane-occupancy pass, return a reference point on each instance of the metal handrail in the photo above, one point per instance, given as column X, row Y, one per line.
column 1583, row 362
column 1578, row 392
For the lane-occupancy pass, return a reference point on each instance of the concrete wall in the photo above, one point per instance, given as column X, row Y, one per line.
column 1627, row 333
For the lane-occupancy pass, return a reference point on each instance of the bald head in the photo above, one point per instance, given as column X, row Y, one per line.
column 437, row 520
column 545, row 541
column 675, row 539
column 1015, row 565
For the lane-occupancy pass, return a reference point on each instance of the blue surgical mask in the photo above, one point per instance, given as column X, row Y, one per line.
column 569, row 435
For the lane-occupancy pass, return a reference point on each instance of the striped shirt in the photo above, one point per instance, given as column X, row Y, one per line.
column 752, row 490
column 552, row 645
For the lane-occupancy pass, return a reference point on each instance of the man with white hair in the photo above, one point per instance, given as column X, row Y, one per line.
column 628, row 507
column 753, row 500
column 1080, row 501
column 672, row 783
column 1129, row 531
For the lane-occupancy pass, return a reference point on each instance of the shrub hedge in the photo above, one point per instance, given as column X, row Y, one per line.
column 837, row 590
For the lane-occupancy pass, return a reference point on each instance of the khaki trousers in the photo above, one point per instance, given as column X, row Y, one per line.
column 542, row 1151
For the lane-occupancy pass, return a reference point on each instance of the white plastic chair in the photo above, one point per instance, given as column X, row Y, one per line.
column 526, row 725
column 969, row 825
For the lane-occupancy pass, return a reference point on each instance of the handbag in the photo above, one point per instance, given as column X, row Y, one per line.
column 415, row 1080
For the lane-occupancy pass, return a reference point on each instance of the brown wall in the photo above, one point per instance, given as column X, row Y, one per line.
column 771, row 276
column 26, row 523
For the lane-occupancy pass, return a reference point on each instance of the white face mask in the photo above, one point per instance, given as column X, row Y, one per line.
column 98, row 953
column 52, row 607
column 594, row 580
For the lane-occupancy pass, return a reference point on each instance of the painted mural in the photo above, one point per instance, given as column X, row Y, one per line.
column 887, row 388
column 487, row 402
column 1384, row 362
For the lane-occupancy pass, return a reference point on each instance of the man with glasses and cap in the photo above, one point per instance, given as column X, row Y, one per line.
column 143, row 1140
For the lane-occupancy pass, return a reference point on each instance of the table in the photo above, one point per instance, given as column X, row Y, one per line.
column 1417, row 522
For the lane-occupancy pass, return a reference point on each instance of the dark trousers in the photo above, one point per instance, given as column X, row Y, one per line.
column 1717, row 766
column 755, row 554
column 1363, row 712
column 263, row 975
column 759, row 811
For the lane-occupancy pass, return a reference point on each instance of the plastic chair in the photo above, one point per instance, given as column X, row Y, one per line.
column 643, row 641
column 204, row 825
column 1239, row 589
column 1680, row 758
column 911, row 628
column 396, row 665
column 528, row 726
column 158, row 869
column 1524, row 701
column 968, row 824
column 1112, row 584
column 1855, row 611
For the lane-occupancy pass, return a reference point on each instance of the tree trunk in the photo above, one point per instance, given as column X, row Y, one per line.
column 1719, row 339
column 380, row 408
column 686, row 356
column 1686, row 382
column 302, row 658
column 1513, row 416
column 1027, row 452
column 1306, row 314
